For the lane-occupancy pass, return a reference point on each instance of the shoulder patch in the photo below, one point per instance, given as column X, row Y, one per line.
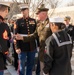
column 32, row 22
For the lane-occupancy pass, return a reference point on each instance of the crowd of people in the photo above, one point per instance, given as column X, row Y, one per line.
column 52, row 38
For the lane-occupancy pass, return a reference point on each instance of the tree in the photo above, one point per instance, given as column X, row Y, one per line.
column 33, row 5
column 70, row 3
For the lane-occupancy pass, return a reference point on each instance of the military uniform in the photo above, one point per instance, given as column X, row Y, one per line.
column 59, row 52
column 69, row 27
column 4, row 33
column 70, row 31
column 57, row 58
column 26, row 26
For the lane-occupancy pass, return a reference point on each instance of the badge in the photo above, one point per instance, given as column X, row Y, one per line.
column 5, row 35
column 31, row 22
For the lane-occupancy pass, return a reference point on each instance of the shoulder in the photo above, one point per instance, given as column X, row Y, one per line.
column 5, row 24
column 49, row 40
column 70, row 25
column 20, row 19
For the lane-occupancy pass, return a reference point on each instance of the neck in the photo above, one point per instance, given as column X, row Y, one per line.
column 25, row 16
column 1, row 14
column 1, row 18
column 56, row 30
column 67, row 23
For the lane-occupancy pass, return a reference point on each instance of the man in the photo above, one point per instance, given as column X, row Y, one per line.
column 42, row 31
column 69, row 27
column 26, row 26
column 57, row 59
column 4, row 35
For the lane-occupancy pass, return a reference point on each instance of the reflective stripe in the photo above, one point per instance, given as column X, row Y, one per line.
column 63, row 43
column 47, row 46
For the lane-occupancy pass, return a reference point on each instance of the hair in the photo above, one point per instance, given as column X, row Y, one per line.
column 3, row 7
column 60, row 25
column 24, row 9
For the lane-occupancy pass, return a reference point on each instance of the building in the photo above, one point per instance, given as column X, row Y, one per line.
column 62, row 12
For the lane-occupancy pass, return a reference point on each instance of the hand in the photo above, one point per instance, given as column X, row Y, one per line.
column 6, row 53
column 18, row 37
column 18, row 51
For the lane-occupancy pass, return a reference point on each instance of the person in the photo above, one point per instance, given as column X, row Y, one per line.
column 58, row 50
column 25, row 26
column 4, row 35
column 69, row 27
column 14, row 54
column 42, row 32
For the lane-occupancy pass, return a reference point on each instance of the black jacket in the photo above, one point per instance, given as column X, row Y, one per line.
column 57, row 59
column 26, row 26
column 4, row 33
column 70, row 31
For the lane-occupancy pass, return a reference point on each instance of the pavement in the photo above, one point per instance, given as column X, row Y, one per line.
column 11, row 71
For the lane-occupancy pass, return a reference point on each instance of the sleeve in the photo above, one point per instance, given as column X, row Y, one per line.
column 32, row 37
column 36, row 35
column 16, row 30
column 48, row 58
column 9, row 36
column 73, row 33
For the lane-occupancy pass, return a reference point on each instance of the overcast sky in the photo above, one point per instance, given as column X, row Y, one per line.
column 63, row 3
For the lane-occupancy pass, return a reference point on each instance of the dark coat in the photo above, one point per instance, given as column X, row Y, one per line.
column 70, row 31
column 4, row 33
column 57, row 60
column 26, row 26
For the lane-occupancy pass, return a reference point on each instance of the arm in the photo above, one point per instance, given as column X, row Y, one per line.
column 9, row 36
column 27, row 38
column 48, row 58
column 16, row 42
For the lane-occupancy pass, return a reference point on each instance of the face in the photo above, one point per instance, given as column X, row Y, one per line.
column 42, row 15
column 53, row 27
column 25, row 12
column 67, row 22
column 5, row 12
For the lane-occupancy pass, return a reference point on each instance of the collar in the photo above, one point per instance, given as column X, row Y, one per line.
column 26, row 18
